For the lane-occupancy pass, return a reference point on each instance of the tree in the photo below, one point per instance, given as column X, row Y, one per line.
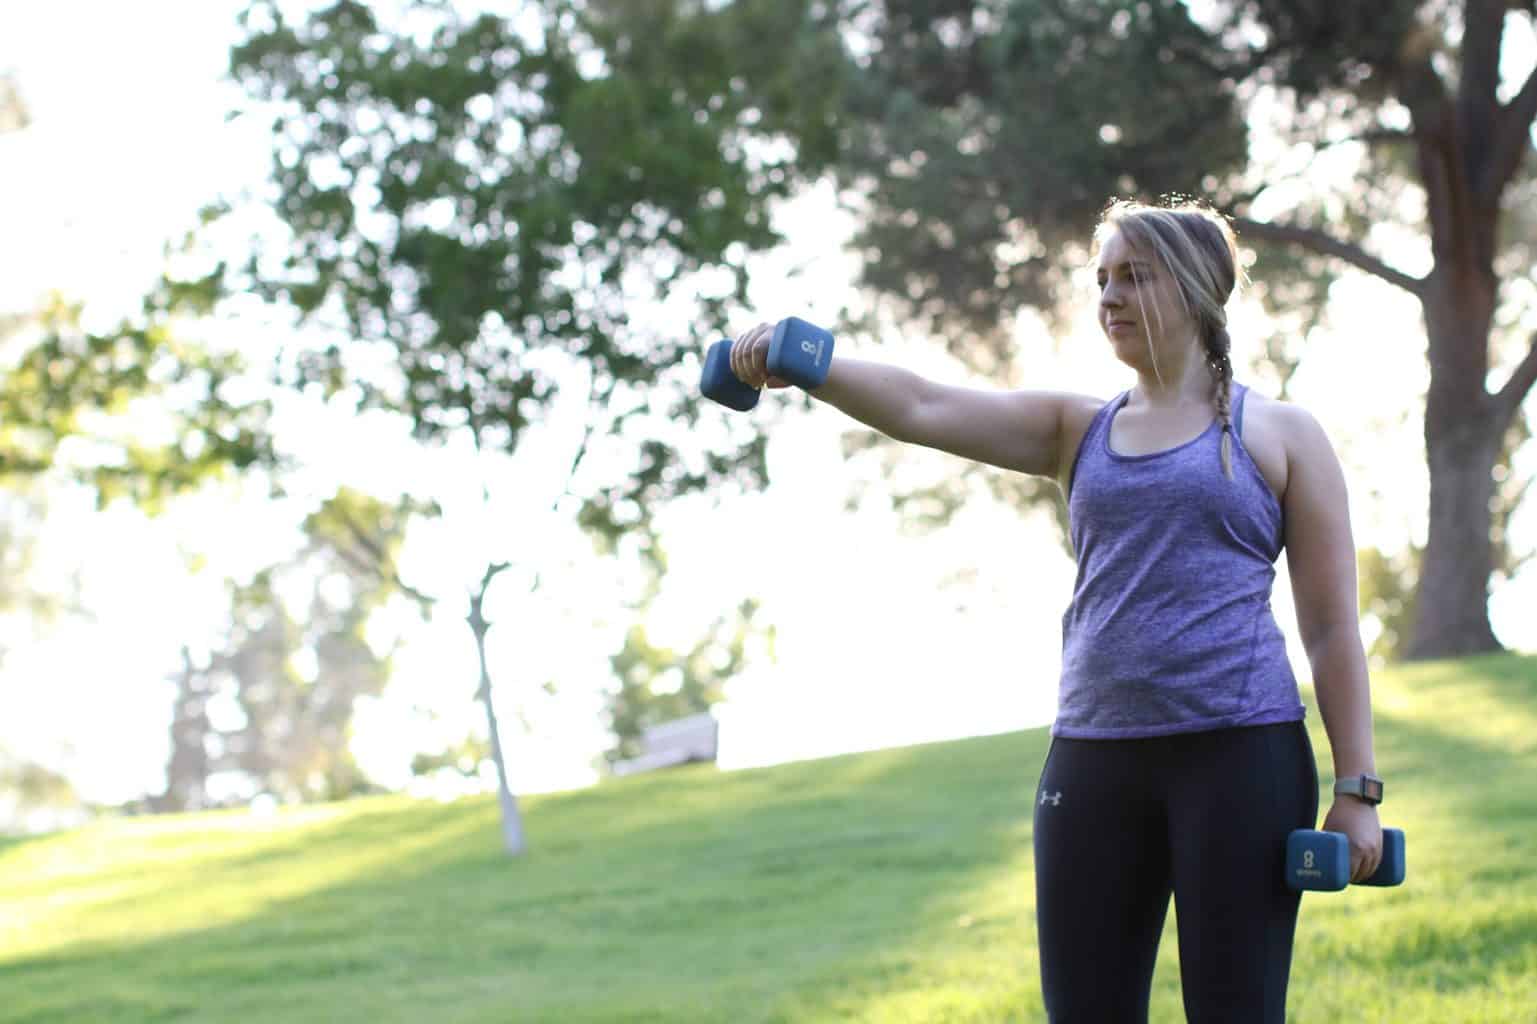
column 656, row 684
column 983, row 136
column 33, row 796
column 273, row 706
column 75, row 402
column 1388, row 579
column 14, row 115
column 138, row 412
column 479, row 205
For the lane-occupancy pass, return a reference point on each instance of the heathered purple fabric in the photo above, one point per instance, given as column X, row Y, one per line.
column 1170, row 628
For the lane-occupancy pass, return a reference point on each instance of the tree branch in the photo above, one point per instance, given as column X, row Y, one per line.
column 1512, row 135
column 1372, row 136
column 1326, row 245
column 377, row 560
column 1517, row 387
column 493, row 570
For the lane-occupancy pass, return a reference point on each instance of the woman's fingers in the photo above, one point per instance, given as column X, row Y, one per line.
column 749, row 356
column 1364, row 860
column 1358, row 822
column 739, row 356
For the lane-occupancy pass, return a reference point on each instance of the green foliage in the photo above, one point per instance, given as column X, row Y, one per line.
column 982, row 137
column 79, row 401
column 986, row 137
column 1511, row 488
column 292, row 674
column 23, row 513
column 63, row 384
column 365, row 534
column 485, row 201
column 659, row 684
column 464, row 757
column 1313, row 47
column 1387, row 597
column 27, row 788
column 893, row 886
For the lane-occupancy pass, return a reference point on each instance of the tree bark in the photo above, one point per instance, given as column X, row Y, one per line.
column 1452, row 596
column 1463, row 429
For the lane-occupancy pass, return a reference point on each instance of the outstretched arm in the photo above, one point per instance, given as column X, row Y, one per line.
column 1018, row 430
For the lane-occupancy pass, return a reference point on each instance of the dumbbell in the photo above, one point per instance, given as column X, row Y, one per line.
column 800, row 352
column 1320, row 861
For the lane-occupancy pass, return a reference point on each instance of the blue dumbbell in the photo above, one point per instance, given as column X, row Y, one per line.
column 799, row 352
column 1320, row 861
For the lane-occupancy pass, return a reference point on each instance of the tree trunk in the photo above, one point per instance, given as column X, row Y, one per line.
column 512, row 820
column 1463, row 430
column 1452, row 598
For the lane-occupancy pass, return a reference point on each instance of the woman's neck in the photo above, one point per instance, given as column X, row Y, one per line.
column 1183, row 380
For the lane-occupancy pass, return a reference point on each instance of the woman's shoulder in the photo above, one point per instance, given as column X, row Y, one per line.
column 1280, row 419
column 1276, row 432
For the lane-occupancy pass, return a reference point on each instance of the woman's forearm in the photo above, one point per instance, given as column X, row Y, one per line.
column 1344, row 699
column 877, row 395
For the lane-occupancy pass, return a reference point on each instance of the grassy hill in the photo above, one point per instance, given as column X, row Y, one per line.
column 889, row 886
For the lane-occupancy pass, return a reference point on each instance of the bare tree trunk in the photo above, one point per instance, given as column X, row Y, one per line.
column 512, row 820
column 187, row 768
column 1452, row 597
column 1463, row 428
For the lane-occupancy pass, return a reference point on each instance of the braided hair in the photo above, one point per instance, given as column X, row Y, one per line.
column 1197, row 246
column 1219, row 344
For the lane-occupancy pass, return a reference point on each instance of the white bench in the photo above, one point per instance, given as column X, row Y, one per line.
column 681, row 741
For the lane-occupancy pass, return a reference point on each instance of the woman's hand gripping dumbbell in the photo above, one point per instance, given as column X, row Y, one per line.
column 1320, row 860
column 792, row 351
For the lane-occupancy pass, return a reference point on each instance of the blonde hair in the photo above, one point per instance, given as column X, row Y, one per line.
column 1197, row 247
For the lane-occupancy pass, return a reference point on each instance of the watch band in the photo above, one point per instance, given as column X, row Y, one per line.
column 1365, row 787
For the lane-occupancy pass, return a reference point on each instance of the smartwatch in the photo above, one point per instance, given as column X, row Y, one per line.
column 1363, row 786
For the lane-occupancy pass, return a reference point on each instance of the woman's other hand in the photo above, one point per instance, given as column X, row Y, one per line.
column 1358, row 821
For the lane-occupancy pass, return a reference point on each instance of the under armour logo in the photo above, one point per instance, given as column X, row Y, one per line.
column 1055, row 798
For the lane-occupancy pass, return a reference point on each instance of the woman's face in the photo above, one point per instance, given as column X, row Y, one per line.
column 1139, row 304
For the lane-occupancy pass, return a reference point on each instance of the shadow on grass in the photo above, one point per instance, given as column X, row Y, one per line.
column 803, row 891
column 1464, row 796
column 694, row 895
column 10, row 843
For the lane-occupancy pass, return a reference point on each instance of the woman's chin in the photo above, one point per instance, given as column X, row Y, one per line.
column 1129, row 349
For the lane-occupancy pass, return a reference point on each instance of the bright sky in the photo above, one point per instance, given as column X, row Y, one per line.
column 876, row 642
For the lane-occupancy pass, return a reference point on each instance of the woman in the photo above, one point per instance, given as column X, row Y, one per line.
column 1179, row 762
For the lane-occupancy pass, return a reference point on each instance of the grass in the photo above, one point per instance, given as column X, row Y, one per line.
column 889, row 886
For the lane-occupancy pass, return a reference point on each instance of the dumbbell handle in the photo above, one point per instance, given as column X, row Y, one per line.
column 1320, row 861
column 799, row 353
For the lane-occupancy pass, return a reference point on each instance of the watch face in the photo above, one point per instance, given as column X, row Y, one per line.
column 1371, row 789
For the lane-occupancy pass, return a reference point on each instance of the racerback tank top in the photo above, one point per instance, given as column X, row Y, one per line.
column 1170, row 628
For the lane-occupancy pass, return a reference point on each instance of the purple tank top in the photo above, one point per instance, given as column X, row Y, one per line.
column 1170, row 628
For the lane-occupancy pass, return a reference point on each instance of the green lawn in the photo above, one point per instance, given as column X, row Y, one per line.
column 890, row 886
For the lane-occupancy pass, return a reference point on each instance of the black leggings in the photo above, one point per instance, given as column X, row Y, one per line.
column 1119, row 824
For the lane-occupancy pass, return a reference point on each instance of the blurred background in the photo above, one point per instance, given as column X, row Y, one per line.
column 349, row 359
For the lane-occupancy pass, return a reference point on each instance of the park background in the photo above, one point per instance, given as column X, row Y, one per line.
column 882, row 634
column 234, row 583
